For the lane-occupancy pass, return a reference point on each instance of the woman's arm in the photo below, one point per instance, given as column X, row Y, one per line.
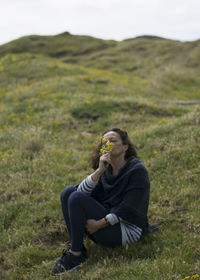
column 97, row 174
column 102, row 168
column 88, row 184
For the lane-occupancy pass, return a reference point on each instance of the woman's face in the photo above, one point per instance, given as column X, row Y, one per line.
column 118, row 148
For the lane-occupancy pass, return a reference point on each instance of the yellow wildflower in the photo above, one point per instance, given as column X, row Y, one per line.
column 195, row 276
column 106, row 146
column 187, row 277
column 25, row 136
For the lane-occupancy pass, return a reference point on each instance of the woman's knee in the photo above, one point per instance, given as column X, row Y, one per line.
column 66, row 193
column 77, row 197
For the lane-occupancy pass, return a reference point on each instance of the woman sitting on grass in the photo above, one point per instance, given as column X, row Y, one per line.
column 110, row 205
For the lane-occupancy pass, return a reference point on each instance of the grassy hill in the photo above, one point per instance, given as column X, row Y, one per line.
column 130, row 54
column 57, row 95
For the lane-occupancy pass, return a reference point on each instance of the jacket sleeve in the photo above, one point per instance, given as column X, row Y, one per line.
column 134, row 205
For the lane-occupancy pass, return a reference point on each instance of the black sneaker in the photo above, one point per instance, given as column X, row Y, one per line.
column 67, row 263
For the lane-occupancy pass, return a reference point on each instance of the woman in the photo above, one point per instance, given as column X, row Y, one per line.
column 110, row 205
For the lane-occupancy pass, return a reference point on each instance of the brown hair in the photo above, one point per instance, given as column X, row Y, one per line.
column 131, row 151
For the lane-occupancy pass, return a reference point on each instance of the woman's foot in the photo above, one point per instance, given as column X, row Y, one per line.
column 67, row 263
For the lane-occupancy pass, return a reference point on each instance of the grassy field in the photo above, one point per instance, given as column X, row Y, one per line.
column 57, row 95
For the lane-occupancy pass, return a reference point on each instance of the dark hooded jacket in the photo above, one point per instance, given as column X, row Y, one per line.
column 127, row 193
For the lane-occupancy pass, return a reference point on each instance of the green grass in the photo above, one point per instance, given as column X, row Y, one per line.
column 52, row 110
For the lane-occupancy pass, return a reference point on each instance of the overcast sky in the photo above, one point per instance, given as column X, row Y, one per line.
column 106, row 19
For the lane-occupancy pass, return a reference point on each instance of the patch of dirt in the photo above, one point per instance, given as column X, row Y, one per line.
column 86, row 115
column 53, row 236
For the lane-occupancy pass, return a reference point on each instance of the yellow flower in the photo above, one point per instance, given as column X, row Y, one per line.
column 106, row 146
column 195, row 276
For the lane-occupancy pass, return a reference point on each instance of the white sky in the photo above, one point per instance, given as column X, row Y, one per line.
column 106, row 19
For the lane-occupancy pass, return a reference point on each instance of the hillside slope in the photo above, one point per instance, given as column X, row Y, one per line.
column 63, row 44
column 164, row 68
column 52, row 112
column 145, row 52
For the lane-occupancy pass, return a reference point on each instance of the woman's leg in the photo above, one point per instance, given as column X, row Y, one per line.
column 64, row 205
column 77, row 207
column 82, row 207
column 109, row 237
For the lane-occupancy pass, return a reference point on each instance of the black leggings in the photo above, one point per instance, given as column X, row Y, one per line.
column 77, row 207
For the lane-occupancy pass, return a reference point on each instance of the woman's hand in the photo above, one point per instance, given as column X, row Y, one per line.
column 105, row 158
column 92, row 226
